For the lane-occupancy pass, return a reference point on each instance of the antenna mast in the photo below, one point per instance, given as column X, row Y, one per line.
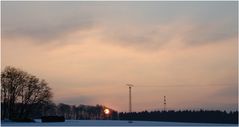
column 164, row 103
column 130, row 103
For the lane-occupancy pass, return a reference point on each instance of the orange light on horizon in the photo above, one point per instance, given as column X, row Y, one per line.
column 107, row 111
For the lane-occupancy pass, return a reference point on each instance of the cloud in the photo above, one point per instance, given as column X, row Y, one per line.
column 135, row 25
column 153, row 37
column 42, row 20
column 48, row 32
column 214, row 32
column 139, row 37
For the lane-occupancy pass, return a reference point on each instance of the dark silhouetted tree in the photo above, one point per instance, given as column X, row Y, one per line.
column 21, row 93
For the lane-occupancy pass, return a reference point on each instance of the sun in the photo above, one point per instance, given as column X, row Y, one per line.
column 107, row 111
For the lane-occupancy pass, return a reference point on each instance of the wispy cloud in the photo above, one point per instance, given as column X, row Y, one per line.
column 141, row 24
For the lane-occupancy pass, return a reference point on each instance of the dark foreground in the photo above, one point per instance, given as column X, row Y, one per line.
column 109, row 123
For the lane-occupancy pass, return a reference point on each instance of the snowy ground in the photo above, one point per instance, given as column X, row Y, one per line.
column 108, row 123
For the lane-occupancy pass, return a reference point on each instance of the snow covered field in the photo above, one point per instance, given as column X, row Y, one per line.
column 109, row 123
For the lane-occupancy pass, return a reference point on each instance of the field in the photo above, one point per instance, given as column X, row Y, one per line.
column 109, row 123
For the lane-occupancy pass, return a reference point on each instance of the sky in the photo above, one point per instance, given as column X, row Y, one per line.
column 89, row 51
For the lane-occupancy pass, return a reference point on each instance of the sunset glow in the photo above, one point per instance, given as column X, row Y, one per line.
column 88, row 51
column 107, row 111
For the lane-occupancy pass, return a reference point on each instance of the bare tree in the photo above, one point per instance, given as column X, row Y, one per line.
column 21, row 92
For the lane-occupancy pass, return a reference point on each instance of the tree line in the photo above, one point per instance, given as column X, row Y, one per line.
column 25, row 96
column 201, row 116
column 80, row 112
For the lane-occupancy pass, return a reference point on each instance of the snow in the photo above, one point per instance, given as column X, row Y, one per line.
column 108, row 123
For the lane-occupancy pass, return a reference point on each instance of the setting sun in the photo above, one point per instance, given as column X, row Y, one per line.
column 107, row 111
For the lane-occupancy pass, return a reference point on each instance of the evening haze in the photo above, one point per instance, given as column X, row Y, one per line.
column 89, row 51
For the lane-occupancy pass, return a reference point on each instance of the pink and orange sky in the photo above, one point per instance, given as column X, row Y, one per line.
column 88, row 51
